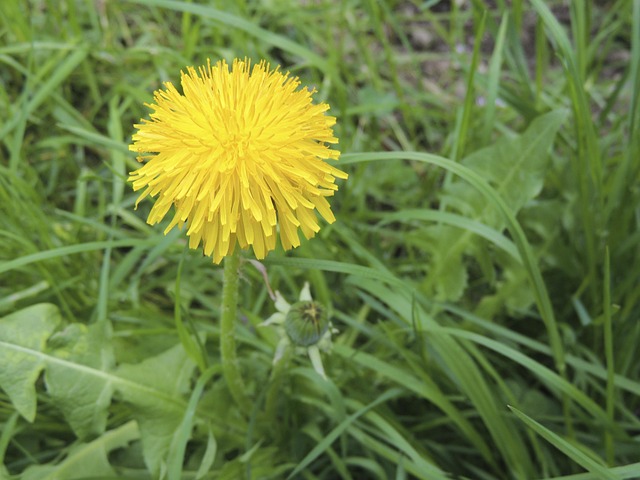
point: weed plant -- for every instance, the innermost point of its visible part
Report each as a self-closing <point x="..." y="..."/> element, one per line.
<point x="483" y="272"/>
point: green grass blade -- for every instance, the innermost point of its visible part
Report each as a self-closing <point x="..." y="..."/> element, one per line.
<point x="565" y="447"/>
<point x="631" y="471"/>
<point x="453" y="219"/>
<point x="240" y="23"/>
<point x="543" y="373"/>
<point x="541" y="294"/>
<point x="337" y="431"/>
<point x="62" y="71"/>
<point x="609" y="358"/>
<point x="334" y="266"/>
<point x="397" y="439"/>
<point x="177" y="449"/>
<point x="425" y="389"/>
<point x="70" y="250"/>
<point x="493" y="83"/>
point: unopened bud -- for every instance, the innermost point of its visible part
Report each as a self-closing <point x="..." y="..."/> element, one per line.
<point x="306" y="323"/>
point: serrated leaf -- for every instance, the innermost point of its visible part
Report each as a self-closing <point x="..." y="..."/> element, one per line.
<point x="154" y="387"/>
<point x="512" y="291"/>
<point x="20" y="333"/>
<point x="87" y="460"/>
<point x="170" y="373"/>
<point x="516" y="168"/>
<point x="450" y="282"/>
<point x="82" y="396"/>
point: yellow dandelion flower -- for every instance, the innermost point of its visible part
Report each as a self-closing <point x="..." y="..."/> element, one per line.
<point x="240" y="155"/>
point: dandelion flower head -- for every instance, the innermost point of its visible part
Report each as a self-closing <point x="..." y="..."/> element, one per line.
<point x="240" y="155"/>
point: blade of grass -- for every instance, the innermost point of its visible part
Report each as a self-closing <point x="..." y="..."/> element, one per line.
<point x="398" y="440"/>
<point x="337" y="431"/>
<point x="426" y="389"/>
<point x="390" y="453"/>
<point x="587" y="162"/>
<point x="493" y="83"/>
<point x="524" y="248"/>
<point x="191" y="344"/>
<point x="333" y="266"/>
<point x="8" y="431"/>
<point x="244" y="25"/>
<point x="631" y="471"/>
<point x="565" y="447"/>
<point x="178" y="447"/>
<point x="455" y="220"/>
<point x="454" y="359"/>
<point x="545" y="374"/>
<point x="61" y="72"/>
<point x="72" y="249"/>
<point x="609" y="359"/>
<point x="469" y="98"/>
<point x="580" y="364"/>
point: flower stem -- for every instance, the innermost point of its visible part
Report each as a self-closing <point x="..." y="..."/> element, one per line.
<point x="230" y="366"/>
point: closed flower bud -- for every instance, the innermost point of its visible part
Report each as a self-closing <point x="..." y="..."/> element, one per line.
<point x="306" y="323"/>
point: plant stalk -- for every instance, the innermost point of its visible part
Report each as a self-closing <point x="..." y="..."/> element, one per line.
<point x="230" y="366"/>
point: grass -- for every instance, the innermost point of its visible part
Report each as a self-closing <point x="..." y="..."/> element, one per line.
<point x="483" y="271"/>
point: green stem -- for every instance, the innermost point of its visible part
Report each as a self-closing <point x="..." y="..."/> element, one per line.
<point x="609" y="446"/>
<point x="230" y="366"/>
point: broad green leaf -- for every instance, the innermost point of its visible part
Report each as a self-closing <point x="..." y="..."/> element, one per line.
<point x="448" y="273"/>
<point x="515" y="167"/>
<point x="169" y="373"/>
<point x="87" y="460"/>
<point x="82" y="396"/>
<point x="79" y="377"/>
<point x="21" y="333"/>
<point x="512" y="291"/>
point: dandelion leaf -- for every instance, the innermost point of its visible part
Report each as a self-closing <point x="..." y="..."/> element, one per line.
<point x="515" y="167"/>
<point x="23" y="336"/>
<point x="80" y="377"/>
<point x="83" y="395"/>
<point x="156" y="402"/>
<point x="512" y="291"/>
<point x="449" y="274"/>
<point x="87" y="460"/>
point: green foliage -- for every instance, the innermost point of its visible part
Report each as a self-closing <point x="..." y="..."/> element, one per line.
<point x="164" y="377"/>
<point x="80" y="378"/>
<point x="88" y="459"/>
<point x="82" y="396"/>
<point x="482" y="272"/>
<point x="515" y="167"/>
<point x="22" y="333"/>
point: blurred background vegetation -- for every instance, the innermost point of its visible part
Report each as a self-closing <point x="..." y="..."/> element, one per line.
<point x="507" y="276"/>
